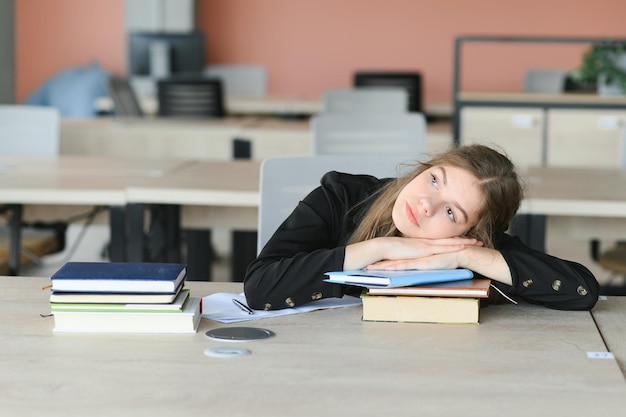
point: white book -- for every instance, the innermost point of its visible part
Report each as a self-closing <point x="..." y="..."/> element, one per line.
<point x="186" y="321"/>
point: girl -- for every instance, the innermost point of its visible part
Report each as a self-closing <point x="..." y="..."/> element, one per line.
<point x="450" y="212"/>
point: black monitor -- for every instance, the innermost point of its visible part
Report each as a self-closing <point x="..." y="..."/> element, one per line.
<point x="185" y="52"/>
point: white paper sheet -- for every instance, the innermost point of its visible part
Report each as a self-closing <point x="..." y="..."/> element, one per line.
<point x="220" y="307"/>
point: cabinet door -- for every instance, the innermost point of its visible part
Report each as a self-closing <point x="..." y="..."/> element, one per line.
<point x="585" y="137"/>
<point x="516" y="131"/>
<point x="159" y="15"/>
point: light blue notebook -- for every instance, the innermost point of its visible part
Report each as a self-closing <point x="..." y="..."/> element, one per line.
<point x="404" y="278"/>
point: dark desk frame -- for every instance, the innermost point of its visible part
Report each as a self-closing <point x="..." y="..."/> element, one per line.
<point x="117" y="226"/>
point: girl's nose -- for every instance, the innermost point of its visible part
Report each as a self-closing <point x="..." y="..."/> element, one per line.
<point x="427" y="206"/>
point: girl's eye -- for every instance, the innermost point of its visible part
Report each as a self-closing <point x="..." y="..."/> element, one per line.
<point x="450" y="213"/>
<point x="433" y="180"/>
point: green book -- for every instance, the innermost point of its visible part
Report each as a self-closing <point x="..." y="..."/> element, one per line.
<point x="177" y="305"/>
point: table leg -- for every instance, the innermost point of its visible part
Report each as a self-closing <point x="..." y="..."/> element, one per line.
<point x="243" y="252"/>
<point x="135" y="232"/>
<point x="199" y="255"/>
<point x="531" y="229"/>
<point x="15" y="243"/>
<point x="117" y="224"/>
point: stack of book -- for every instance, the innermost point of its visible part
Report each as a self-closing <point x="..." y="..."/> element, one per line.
<point x="123" y="297"/>
<point x="439" y="296"/>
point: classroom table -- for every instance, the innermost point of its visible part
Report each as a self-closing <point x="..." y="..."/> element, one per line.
<point x="521" y="360"/>
<point x="202" y="139"/>
<point x="199" y="196"/>
<point x="73" y="181"/>
<point x="590" y="195"/>
<point x="610" y="317"/>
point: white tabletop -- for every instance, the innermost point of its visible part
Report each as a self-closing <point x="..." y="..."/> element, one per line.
<point x="217" y="183"/>
<point x="520" y="361"/>
<point x="610" y="316"/>
<point x="585" y="192"/>
<point x="76" y="180"/>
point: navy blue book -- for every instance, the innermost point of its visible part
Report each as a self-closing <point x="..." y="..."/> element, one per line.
<point x="119" y="277"/>
<point x="397" y="278"/>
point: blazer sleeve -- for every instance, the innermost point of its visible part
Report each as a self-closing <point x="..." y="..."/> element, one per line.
<point x="289" y="271"/>
<point x="543" y="279"/>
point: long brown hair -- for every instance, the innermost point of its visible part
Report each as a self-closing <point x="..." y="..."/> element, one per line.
<point x="499" y="182"/>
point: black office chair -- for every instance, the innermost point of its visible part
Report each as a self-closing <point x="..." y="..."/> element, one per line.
<point x="124" y="98"/>
<point x="191" y="97"/>
<point x="412" y="81"/>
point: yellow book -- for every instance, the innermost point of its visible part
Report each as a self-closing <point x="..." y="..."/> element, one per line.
<point x="458" y="310"/>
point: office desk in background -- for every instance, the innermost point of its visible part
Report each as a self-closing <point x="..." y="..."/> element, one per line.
<point x="209" y="140"/>
<point x="268" y="106"/>
<point x="521" y="360"/>
<point x="588" y="202"/>
<point x="45" y="188"/>
<point x="200" y="196"/>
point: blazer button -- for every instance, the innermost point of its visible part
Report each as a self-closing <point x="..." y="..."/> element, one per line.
<point x="582" y="290"/>
<point x="267" y="307"/>
<point x="289" y="302"/>
<point x="316" y="296"/>
<point x="527" y="283"/>
<point x="556" y="285"/>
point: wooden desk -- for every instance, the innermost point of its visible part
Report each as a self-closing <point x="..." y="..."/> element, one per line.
<point x="273" y="105"/>
<point x="610" y="317"/>
<point x="208" y="140"/>
<point x="520" y="361"/>
<point x="294" y="105"/>
<point x="595" y="198"/>
<point x="71" y="181"/>
<point x="152" y="138"/>
<point x="198" y="197"/>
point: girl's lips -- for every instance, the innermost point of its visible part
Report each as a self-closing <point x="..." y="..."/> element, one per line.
<point x="411" y="215"/>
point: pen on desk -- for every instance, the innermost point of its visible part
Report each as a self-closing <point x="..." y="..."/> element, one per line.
<point x="243" y="307"/>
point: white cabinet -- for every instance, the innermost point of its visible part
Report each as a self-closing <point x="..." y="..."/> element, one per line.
<point x="585" y="138"/>
<point x="159" y="15"/>
<point x="516" y="131"/>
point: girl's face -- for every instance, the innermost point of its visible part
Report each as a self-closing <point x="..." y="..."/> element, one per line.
<point x="441" y="202"/>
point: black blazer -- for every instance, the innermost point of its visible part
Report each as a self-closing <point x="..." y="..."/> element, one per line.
<point x="290" y="269"/>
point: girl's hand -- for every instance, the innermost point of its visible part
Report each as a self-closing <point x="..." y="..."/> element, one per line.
<point x="403" y="248"/>
<point x="368" y="252"/>
<point x="487" y="262"/>
<point x="439" y="261"/>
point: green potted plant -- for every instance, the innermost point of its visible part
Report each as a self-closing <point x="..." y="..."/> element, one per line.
<point x="604" y="64"/>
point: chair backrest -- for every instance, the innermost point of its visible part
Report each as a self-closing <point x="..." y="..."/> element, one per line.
<point x="190" y="97"/>
<point x="29" y="130"/>
<point x="410" y="81"/>
<point x="368" y="134"/>
<point x="124" y="98"/>
<point x="545" y="81"/>
<point x="366" y="100"/>
<point x="284" y="181"/>
<point x="240" y="80"/>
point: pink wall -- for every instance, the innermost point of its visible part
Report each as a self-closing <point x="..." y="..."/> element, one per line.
<point x="54" y="35"/>
<point x="310" y="46"/>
